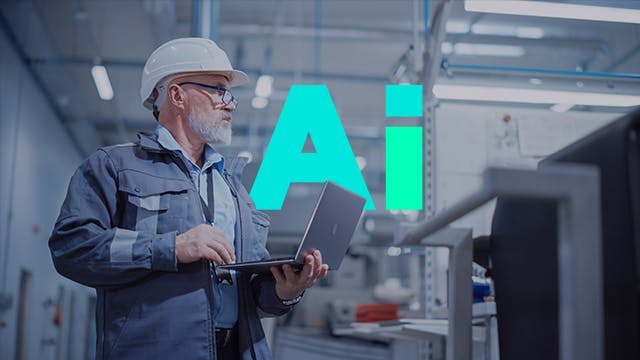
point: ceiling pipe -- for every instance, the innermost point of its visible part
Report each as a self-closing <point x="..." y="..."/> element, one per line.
<point x="318" y="40"/>
<point x="214" y="19"/>
<point x="445" y="65"/>
<point x="195" y="17"/>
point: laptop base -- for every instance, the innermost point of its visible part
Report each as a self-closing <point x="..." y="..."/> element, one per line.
<point x="261" y="266"/>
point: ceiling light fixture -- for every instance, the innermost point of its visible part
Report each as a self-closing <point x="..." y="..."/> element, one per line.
<point x="457" y="27"/>
<point x="531" y="96"/>
<point x="554" y="10"/>
<point x="488" y="50"/>
<point x="101" y="79"/>
<point x="362" y="162"/>
<point x="259" y="102"/>
<point x="446" y="48"/>
<point x="264" y="86"/>
<point x="481" y="49"/>
<point x="527" y="32"/>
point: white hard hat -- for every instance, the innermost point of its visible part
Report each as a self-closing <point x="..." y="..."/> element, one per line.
<point x="186" y="55"/>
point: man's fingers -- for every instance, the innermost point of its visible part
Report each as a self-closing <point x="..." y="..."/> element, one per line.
<point x="213" y="256"/>
<point x="307" y="269"/>
<point x="288" y="273"/>
<point x="277" y="274"/>
<point x="317" y="263"/>
<point x="318" y="257"/>
<point x="218" y="236"/>
<point x="323" y="271"/>
<point x="223" y="249"/>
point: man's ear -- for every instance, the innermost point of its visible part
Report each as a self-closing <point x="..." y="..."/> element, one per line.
<point x="176" y="96"/>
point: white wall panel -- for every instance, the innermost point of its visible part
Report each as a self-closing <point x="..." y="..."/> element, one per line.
<point x="471" y="137"/>
<point x="32" y="138"/>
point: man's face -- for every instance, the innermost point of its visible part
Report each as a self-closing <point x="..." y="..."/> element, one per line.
<point x="209" y="117"/>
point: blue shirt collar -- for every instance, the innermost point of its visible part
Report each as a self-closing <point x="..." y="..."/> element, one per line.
<point x="211" y="156"/>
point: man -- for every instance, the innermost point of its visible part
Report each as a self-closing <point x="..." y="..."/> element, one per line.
<point x="147" y="223"/>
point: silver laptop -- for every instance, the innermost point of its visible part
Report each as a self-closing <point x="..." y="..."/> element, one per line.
<point x="329" y="230"/>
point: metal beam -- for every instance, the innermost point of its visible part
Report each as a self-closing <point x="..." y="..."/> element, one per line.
<point x="283" y="73"/>
<point x="624" y="58"/>
<point x="196" y="10"/>
<point x="238" y="30"/>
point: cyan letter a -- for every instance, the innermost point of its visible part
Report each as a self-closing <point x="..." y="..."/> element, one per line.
<point x="308" y="111"/>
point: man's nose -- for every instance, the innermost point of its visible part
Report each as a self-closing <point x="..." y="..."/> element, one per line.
<point x="230" y="107"/>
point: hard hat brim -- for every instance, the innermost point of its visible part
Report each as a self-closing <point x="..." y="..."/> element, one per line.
<point x="238" y="78"/>
<point x="235" y="77"/>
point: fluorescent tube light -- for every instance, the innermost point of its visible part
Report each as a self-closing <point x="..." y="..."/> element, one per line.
<point x="561" y="107"/>
<point x="457" y="27"/>
<point x="446" y="48"/>
<point x="481" y="49"/>
<point x="554" y="10"/>
<point x="527" y="32"/>
<point x="531" y="96"/>
<point x="101" y="79"/>
<point x="362" y="162"/>
<point x="264" y="86"/>
<point x="259" y="102"/>
<point x="488" y="50"/>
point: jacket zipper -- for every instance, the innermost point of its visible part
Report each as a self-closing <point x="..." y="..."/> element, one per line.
<point x="244" y="313"/>
<point x="210" y="273"/>
<point x="235" y="196"/>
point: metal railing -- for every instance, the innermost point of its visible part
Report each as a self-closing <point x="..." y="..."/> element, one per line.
<point x="576" y="191"/>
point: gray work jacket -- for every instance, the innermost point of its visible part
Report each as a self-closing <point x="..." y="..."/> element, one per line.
<point x="116" y="232"/>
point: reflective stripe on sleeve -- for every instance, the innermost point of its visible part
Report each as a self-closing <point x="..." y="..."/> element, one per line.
<point x="121" y="248"/>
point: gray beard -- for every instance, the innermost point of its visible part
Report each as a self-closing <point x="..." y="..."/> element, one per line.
<point x="214" y="134"/>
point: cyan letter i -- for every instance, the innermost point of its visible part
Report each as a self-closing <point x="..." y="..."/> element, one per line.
<point x="404" y="149"/>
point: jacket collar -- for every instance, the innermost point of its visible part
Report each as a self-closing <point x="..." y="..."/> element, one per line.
<point x="232" y="165"/>
<point x="150" y="142"/>
<point x="235" y="165"/>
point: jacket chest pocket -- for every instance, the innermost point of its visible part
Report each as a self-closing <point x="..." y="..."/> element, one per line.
<point x="260" y="226"/>
<point x="154" y="205"/>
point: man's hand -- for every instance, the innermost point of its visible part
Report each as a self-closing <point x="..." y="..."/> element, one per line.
<point x="204" y="242"/>
<point x="290" y="284"/>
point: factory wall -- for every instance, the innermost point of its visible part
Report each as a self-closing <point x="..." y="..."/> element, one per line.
<point x="471" y="137"/>
<point x="42" y="315"/>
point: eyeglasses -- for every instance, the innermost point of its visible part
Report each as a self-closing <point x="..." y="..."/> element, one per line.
<point x="227" y="97"/>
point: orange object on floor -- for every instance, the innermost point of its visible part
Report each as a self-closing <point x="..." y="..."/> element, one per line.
<point x="376" y="312"/>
